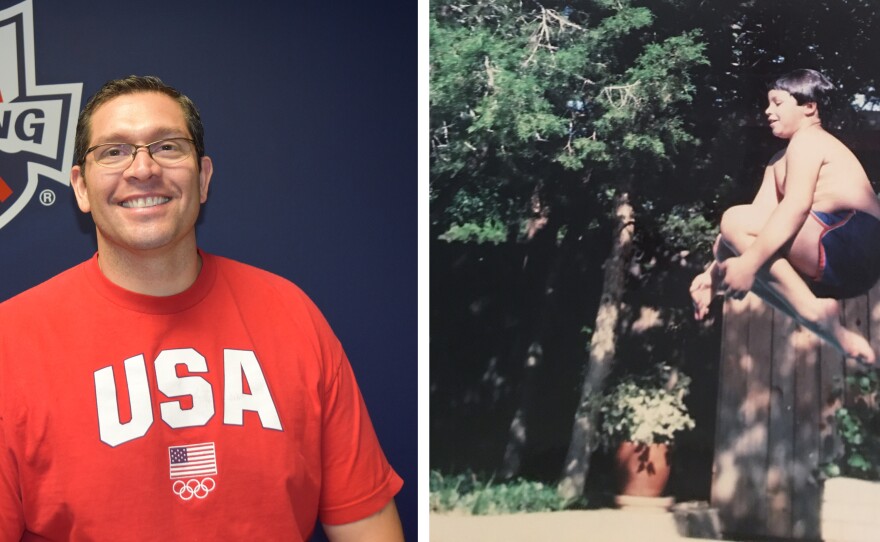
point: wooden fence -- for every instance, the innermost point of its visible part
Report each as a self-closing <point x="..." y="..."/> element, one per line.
<point x="776" y="405"/>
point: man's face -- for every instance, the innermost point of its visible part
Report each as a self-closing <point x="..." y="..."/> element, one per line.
<point x="784" y="114"/>
<point x="144" y="207"/>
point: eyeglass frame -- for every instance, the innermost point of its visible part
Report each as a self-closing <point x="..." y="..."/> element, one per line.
<point x="137" y="148"/>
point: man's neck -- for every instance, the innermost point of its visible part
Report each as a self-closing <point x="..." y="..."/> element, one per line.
<point x="158" y="273"/>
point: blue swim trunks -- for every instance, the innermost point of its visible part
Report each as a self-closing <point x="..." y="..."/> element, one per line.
<point x="849" y="254"/>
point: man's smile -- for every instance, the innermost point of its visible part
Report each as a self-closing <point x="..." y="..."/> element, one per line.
<point x="139" y="203"/>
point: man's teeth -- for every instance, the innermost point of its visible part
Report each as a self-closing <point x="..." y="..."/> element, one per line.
<point x="144" y="202"/>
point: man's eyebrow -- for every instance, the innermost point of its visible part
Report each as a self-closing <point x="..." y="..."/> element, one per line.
<point x="156" y="135"/>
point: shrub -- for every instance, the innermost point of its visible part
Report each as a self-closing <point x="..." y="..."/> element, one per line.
<point x="646" y="409"/>
<point x="466" y="494"/>
<point x="858" y="430"/>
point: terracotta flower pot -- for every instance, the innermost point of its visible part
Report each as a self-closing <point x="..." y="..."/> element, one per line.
<point x="642" y="469"/>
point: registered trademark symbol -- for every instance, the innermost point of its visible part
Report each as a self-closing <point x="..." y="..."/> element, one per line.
<point x="47" y="197"/>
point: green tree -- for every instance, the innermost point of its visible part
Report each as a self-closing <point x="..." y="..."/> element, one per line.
<point x="544" y="118"/>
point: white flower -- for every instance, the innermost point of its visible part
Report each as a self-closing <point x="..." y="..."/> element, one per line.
<point x="647" y="409"/>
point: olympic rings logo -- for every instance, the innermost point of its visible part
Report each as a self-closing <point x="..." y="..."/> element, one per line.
<point x="193" y="488"/>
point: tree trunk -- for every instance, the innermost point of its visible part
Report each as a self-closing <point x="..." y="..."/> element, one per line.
<point x="517" y="434"/>
<point x="543" y="248"/>
<point x="584" y="433"/>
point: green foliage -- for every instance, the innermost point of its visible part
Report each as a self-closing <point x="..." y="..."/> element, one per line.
<point x="529" y="100"/>
<point x="624" y="21"/>
<point x="664" y="69"/>
<point x="465" y="493"/>
<point x="686" y="228"/>
<point x="481" y="214"/>
<point x="858" y="430"/>
<point x="490" y="231"/>
<point x="646" y="408"/>
<point x="749" y="40"/>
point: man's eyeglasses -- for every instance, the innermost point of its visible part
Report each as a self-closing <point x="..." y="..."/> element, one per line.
<point x="165" y="152"/>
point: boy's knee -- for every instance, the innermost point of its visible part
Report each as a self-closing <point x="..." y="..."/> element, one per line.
<point x="734" y="222"/>
<point x="737" y="224"/>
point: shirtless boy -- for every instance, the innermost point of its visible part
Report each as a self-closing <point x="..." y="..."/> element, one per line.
<point x="812" y="234"/>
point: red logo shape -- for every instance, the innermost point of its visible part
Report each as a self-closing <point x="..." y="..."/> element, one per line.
<point x="5" y="191"/>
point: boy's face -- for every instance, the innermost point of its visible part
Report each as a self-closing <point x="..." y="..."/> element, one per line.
<point x="784" y="114"/>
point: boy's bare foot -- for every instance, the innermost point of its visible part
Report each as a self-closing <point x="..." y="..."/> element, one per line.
<point x="702" y="294"/>
<point x="850" y="343"/>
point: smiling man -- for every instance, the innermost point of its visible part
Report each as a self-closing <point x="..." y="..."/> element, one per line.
<point x="158" y="392"/>
<point x="144" y="199"/>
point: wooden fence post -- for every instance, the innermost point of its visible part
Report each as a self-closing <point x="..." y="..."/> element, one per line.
<point x="778" y="391"/>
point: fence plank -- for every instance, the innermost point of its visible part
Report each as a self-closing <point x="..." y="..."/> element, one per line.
<point x="781" y="426"/>
<point x="831" y="373"/>
<point x="874" y="317"/>
<point x="805" y="500"/>
<point x="779" y="389"/>
<point x="741" y="451"/>
<point x="855" y="317"/>
<point x="757" y="404"/>
<point x="732" y="386"/>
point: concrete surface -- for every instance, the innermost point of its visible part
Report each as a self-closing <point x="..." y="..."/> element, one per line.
<point x="605" y="525"/>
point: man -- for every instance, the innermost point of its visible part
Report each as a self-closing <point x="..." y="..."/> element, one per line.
<point x="157" y="392"/>
<point x="811" y="236"/>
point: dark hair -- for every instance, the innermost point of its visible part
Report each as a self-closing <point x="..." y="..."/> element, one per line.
<point x="131" y="85"/>
<point x="806" y="86"/>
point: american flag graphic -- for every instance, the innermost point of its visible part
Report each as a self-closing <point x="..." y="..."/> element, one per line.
<point x="192" y="460"/>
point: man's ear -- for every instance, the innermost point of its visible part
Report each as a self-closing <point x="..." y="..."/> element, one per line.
<point x="205" y="178"/>
<point x="78" y="182"/>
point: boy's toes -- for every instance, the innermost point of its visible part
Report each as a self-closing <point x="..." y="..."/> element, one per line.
<point x="864" y="358"/>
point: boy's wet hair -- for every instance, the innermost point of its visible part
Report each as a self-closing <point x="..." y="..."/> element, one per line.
<point x="806" y="86"/>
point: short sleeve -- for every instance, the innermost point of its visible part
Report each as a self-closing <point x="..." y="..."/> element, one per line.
<point x="357" y="480"/>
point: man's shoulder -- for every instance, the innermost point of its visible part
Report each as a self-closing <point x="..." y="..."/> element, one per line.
<point x="50" y="291"/>
<point x="257" y="283"/>
<point x="256" y="289"/>
<point x="251" y="276"/>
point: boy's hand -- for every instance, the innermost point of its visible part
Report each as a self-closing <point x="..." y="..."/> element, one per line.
<point x="701" y="294"/>
<point x="737" y="276"/>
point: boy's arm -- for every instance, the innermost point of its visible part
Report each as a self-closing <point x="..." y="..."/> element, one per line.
<point x="702" y="289"/>
<point x="803" y="160"/>
<point x="766" y="197"/>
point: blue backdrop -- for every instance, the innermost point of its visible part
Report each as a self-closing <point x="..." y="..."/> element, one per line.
<point x="310" y="117"/>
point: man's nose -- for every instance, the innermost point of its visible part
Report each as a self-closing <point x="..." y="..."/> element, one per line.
<point x="142" y="163"/>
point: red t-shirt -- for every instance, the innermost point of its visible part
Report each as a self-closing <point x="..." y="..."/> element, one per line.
<point x="226" y="412"/>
